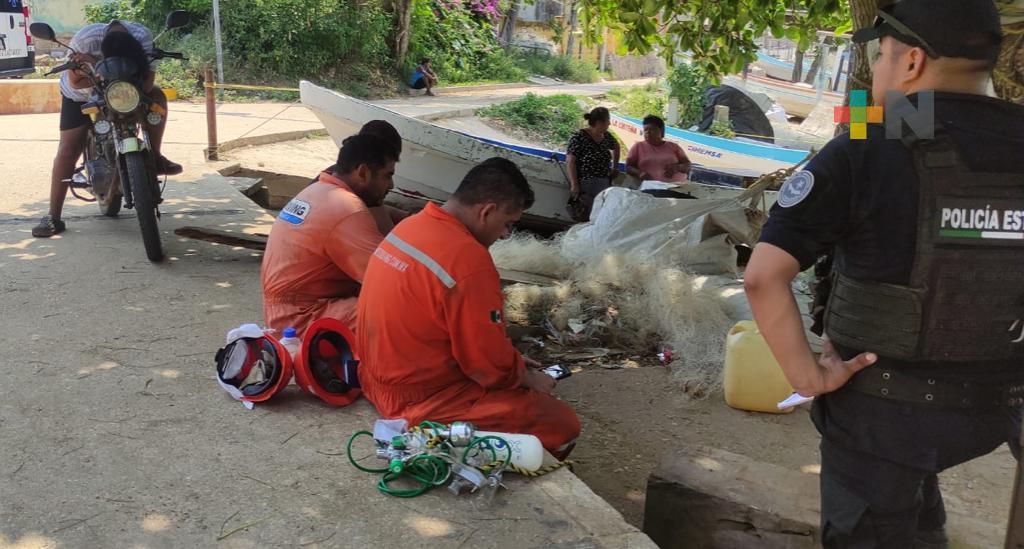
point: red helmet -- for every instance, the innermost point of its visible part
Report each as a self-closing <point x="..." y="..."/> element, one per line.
<point x="326" y="364"/>
<point x="253" y="368"/>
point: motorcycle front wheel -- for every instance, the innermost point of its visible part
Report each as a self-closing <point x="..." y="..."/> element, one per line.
<point x="145" y="205"/>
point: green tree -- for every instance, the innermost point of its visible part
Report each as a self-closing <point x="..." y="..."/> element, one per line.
<point x="687" y="83"/>
<point x="719" y="35"/>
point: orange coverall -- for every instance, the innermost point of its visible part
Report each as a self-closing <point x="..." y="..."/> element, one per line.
<point x="432" y="336"/>
<point x="316" y="256"/>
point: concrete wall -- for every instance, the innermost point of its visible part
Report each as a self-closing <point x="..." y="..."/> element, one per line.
<point x="541" y="11"/>
<point x="29" y="96"/>
<point x="631" y="66"/>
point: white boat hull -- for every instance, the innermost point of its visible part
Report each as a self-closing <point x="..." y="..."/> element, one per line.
<point x="798" y="100"/>
<point x="435" y="159"/>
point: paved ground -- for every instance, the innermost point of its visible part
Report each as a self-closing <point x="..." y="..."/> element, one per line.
<point x="626" y="410"/>
<point x="114" y="433"/>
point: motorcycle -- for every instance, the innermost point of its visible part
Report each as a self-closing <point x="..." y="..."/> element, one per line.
<point x="119" y="164"/>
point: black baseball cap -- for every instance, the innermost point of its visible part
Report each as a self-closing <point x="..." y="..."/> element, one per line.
<point x="942" y="28"/>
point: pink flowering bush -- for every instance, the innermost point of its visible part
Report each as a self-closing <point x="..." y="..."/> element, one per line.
<point x="486" y="8"/>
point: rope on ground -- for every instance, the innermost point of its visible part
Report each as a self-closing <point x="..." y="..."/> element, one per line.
<point x="217" y="86"/>
<point x="261" y="124"/>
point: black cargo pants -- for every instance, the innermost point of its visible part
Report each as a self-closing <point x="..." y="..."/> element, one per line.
<point x="879" y="460"/>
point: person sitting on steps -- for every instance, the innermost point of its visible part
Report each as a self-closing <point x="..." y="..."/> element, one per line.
<point x="423" y="77"/>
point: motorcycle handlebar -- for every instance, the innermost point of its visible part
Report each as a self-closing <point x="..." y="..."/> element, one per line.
<point x="161" y="54"/>
<point x="62" y="68"/>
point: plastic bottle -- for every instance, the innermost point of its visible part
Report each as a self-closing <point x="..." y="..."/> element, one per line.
<point x="753" y="379"/>
<point x="290" y="342"/>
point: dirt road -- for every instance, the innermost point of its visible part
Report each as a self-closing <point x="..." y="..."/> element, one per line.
<point x="113" y="432"/>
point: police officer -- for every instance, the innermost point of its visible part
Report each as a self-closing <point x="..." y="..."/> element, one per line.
<point x="925" y="365"/>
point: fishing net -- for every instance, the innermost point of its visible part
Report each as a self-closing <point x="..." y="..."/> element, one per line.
<point x="617" y="302"/>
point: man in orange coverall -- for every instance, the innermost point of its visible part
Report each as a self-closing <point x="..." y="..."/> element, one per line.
<point x="431" y="329"/>
<point x="322" y="240"/>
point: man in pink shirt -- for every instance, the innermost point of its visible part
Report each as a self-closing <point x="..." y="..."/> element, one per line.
<point x="322" y="240"/>
<point x="655" y="159"/>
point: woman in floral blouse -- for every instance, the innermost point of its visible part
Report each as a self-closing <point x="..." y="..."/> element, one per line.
<point x="592" y="157"/>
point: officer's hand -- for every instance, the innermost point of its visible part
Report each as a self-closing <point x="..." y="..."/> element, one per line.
<point x="835" y="372"/>
<point x="538" y="381"/>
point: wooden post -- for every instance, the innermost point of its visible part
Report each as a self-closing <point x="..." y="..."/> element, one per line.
<point x="211" y="115"/>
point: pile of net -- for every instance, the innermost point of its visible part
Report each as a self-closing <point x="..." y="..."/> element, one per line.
<point x="631" y="281"/>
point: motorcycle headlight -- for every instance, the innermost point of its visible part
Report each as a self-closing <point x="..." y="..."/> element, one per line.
<point x="123" y="97"/>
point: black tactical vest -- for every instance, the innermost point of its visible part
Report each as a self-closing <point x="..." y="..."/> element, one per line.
<point x="965" y="300"/>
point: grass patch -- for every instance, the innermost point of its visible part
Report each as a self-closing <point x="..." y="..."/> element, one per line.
<point x="550" y="120"/>
<point x="638" y="101"/>
<point x="558" y="66"/>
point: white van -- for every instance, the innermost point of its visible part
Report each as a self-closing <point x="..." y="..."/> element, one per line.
<point x="17" y="54"/>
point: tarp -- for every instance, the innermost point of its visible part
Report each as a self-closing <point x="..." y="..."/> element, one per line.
<point x="747" y="117"/>
<point x="697" y="235"/>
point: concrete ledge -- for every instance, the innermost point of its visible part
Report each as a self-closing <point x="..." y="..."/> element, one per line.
<point x="710" y="498"/>
<point x="267" y="139"/>
<point x="458" y="113"/>
<point x="483" y="87"/>
<point x="29" y="96"/>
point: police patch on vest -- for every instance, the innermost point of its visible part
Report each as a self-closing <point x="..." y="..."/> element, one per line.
<point x="973" y="221"/>
<point x="796" y="189"/>
<point x="496" y="317"/>
<point x="295" y="211"/>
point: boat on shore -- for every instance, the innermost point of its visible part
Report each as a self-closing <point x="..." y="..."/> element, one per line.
<point x="777" y="68"/>
<point x="713" y="152"/>
<point x="435" y="159"/>
<point x="798" y="99"/>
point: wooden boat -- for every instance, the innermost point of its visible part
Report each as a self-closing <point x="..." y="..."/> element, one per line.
<point x="715" y="152"/>
<point x="798" y="99"/>
<point x="435" y="159"/>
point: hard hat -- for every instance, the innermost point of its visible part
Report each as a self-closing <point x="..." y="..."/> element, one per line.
<point x="326" y="364"/>
<point x="253" y="366"/>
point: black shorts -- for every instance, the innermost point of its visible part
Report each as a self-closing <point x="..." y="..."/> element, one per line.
<point x="71" y="116"/>
<point x="420" y="83"/>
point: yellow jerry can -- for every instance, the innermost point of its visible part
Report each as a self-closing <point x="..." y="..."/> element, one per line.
<point x="753" y="379"/>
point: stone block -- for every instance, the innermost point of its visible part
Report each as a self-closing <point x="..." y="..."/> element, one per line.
<point x="711" y="498"/>
<point x="708" y="498"/>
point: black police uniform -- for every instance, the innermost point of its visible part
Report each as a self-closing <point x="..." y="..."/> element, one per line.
<point x="888" y="432"/>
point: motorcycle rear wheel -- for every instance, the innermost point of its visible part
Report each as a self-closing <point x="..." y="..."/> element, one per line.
<point x="145" y="205"/>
